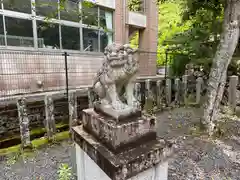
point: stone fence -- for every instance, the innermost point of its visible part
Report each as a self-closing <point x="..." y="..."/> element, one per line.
<point x="186" y="90"/>
<point x="154" y="94"/>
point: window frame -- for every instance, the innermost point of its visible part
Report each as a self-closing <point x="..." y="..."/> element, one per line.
<point x="34" y="18"/>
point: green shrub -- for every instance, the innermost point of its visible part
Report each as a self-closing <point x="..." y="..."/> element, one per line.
<point x="65" y="172"/>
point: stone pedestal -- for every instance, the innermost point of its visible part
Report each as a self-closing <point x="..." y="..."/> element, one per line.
<point x="109" y="149"/>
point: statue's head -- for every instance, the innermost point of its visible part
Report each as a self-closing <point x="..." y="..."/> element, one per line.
<point x="118" y="53"/>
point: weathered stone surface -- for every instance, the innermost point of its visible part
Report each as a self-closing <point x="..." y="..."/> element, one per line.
<point x="117" y="115"/>
<point x="120" y="166"/>
<point x="138" y="94"/>
<point x="9" y="122"/>
<point x="72" y="105"/>
<point x="23" y="122"/>
<point x="50" y="120"/>
<point x="117" y="135"/>
<point x="232" y="96"/>
<point x="157" y="172"/>
<point x="118" y="73"/>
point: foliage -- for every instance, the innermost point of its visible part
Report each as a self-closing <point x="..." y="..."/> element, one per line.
<point x="189" y="31"/>
<point x="12" y="159"/>
<point x="64" y="172"/>
<point x="134" y="40"/>
<point x="197" y="42"/>
<point x="135" y="5"/>
<point x="170" y="24"/>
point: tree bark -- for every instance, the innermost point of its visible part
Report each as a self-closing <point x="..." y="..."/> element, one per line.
<point x="223" y="56"/>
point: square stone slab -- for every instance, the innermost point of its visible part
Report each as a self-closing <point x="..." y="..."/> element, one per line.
<point x="117" y="115"/>
<point x="119" y="135"/>
<point x="119" y="166"/>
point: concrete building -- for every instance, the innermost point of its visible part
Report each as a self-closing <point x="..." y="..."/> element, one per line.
<point x="35" y="33"/>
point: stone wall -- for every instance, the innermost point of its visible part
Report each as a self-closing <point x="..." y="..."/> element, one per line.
<point x="9" y="121"/>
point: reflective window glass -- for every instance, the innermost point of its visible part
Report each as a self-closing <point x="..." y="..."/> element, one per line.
<point x="19" y="32"/>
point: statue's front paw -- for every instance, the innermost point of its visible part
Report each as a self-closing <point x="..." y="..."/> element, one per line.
<point x="118" y="105"/>
<point x="137" y="104"/>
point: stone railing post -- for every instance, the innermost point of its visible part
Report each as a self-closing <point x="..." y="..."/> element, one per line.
<point x="147" y="89"/>
<point x="90" y="98"/>
<point x="159" y="99"/>
<point x="138" y="95"/>
<point x="199" y="85"/>
<point x="148" y="97"/>
<point x="177" y="90"/>
<point x="50" y="120"/>
<point x="23" y="122"/>
<point x="185" y="87"/>
<point x="72" y="105"/>
<point x="232" y="96"/>
<point x="168" y="91"/>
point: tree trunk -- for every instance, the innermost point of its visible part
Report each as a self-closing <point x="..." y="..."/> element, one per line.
<point x="223" y="57"/>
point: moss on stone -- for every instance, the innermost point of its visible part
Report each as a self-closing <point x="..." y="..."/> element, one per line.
<point x="37" y="143"/>
<point x="10" y="150"/>
<point x="33" y="133"/>
<point x="38" y="131"/>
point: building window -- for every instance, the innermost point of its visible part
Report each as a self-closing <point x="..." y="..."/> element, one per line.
<point x="89" y="14"/>
<point x="70" y="11"/>
<point x="48" y="8"/>
<point x="106" y="19"/>
<point x="90" y="40"/>
<point x="18" y="5"/>
<point x="19" y="32"/>
<point x="2" y="39"/>
<point x="70" y="38"/>
<point x="48" y="35"/>
<point x="51" y="33"/>
<point x="106" y="38"/>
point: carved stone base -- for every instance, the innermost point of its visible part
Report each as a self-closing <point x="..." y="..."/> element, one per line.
<point x="119" y="136"/>
<point x="118" y="115"/>
<point x="123" y="165"/>
<point x="87" y="169"/>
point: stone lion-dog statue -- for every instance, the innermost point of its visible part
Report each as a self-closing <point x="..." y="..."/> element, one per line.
<point x="116" y="78"/>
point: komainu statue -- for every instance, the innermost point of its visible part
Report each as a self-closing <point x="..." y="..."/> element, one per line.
<point x="116" y="78"/>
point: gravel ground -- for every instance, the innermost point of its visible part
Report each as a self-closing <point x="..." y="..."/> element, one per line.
<point x="42" y="165"/>
<point x="198" y="157"/>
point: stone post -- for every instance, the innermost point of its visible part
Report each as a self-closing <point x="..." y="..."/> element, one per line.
<point x="147" y="88"/>
<point x="50" y="120"/>
<point x="23" y="123"/>
<point x="72" y="105"/>
<point x="168" y="91"/>
<point x="159" y="98"/>
<point x="232" y="96"/>
<point x="138" y="95"/>
<point x="185" y="87"/>
<point x="148" y="99"/>
<point x="199" y="85"/>
<point x="90" y="98"/>
<point x="177" y="90"/>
